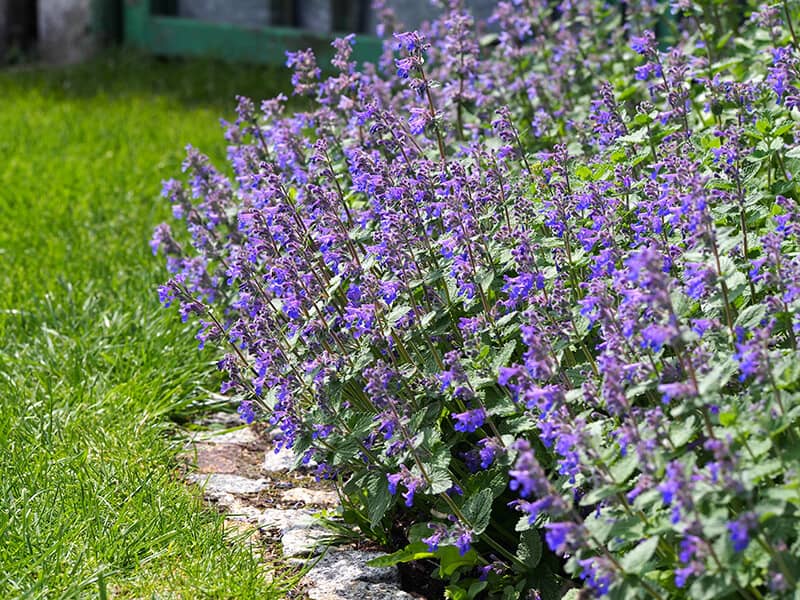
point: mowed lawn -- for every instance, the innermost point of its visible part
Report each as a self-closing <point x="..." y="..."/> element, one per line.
<point x="93" y="372"/>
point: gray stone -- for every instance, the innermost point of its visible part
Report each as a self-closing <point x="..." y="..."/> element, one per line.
<point x="314" y="497"/>
<point x="285" y="519"/>
<point x="221" y="419"/>
<point x="65" y="30"/>
<point x="279" y="462"/>
<point x="241" y="511"/>
<point x="304" y="541"/>
<point x="359" y="590"/>
<point x="344" y="575"/>
<point x="239" y="437"/>
<point x="219" y="484"/>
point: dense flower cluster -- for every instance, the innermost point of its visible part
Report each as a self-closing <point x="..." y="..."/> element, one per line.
<point x="538" y="290"/>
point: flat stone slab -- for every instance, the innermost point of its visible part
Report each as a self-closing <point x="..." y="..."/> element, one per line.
<point x="210" y="458"/>
<point x="221" y="419"/>
<point x="278" y="462"/>
<point x="344" y="575"/>
<point x="313" y="497"/>
<point x="218" y="484"/>
<point x="358" y="590"/>
<point x="285" y="519"/>
<point x="303" y="541"/>
<point x="237" y="437"/>
<point x="223" y="461"/>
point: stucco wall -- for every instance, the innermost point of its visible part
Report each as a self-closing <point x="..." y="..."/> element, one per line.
<point x="65" y="30"/>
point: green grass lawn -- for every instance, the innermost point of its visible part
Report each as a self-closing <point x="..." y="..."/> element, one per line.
<point x="92" y="370"/>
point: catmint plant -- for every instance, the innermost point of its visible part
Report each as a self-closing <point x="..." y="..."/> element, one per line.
<point x="527" y="291"/>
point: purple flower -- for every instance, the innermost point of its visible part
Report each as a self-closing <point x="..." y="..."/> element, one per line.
<point x="597" y="574"/>
<point x="439" y="533"/>
<point x="644" y="44"/>
<point x="470" y="420"/>
<point x="463" y="540"/>
<point x="245" y="411"/>
<point x="740" y="530"/>
<point x="563" y="538"/>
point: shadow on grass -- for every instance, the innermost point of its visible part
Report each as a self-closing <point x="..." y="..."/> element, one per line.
<point x="121" y="73"/>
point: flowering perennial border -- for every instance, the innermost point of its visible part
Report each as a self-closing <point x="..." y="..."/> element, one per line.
<point x="533" y="294"/>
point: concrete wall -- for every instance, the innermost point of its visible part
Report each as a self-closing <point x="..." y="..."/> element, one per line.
<point x="3" y="28"/>
<point x="65" y="30"/>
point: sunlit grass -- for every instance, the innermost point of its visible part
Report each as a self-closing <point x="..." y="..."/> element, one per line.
<point x="91" y="368"/>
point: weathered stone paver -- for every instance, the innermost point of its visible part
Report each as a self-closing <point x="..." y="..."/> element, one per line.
<point x="278" y="462"/>
<point x="300" y="495"/>
<point x="218" y="484"/>
<point x="344" y="575"/>
<point x="256" y="487"/>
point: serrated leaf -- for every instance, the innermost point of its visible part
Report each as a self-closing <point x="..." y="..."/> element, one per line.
<point x="478" y="510"/>
<point x="503" y="356"/>
<point x="398" y="312"/>
<point x="523" y="524"/>
<point x="793" y="153"/>
<point x="490" y="479"/>
<point x="637" y="137"/>
<point x="718" y="377"/>
<point x="529" y="550"/>
<point x="751" y="316"/>
<point x="636" y="560"/>
<point x="378" y="497"/>
<point x="438" y="471"/>
<point x="624" y="468"/>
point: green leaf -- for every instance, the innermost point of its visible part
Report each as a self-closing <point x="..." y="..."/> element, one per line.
<point x="450" y="560"/>
<point x="710" y="587"/>
<point x="599" y="493"/>
<point x="378" y="497"/>
<point x="636" y="560"/>
<point x="476" y="588"/>
<point x="718" y="377"/>
<point x="398" y="312"/>
<point x="503" y="356"/>
<point x="727" y="418"/>
<point x="438" y="471"/>
<point x="523" y="524"/>
<point x="490" y="479"/>
<point x="414" y="551"/>
<point x="625" y="467"/>
<point x="529" y="550"/>
<point x="793" y="153"/>
<point x="637" y="137"/>
<point x="478" y="510"/>
<point x="751" y="316"/>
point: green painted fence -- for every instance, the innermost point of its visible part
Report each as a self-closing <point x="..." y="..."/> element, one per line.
<point x="149" y="30"/>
